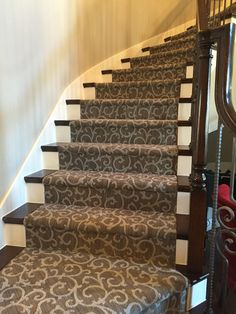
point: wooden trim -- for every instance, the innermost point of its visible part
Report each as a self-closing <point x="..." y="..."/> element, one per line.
<point x="185" y="100"/>
<point x="182" y="226"/>
<point x="53" y="147"/>
<point x="72" y="101"/>
<point x="183" y="184"/>
<point x="8" y="253"/>
<point x="167" y="38"/>
<point x="146" y="49"/>
<point x="125" y="60"/>
<point x="62" y="122"/>
<point x="224" y="37"/>
<point x="17" y="216"/>
<point x="184" y="150"/>
<point x="104" y="72"/>
<point x="184" y="123"/>
<point x="88" y="85"/>
<point x="37" y="177"/>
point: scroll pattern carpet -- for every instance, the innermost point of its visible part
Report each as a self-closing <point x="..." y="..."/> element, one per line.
<point x="105" y="239"/>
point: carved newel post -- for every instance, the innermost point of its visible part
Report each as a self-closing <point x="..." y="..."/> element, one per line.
<point x="198" y="200"/>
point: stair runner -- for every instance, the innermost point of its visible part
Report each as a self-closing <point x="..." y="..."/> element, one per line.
<point x="105" y="239"/>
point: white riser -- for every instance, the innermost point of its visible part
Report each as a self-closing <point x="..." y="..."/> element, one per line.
<point x="51" y="161"/>
<point x="184" y="112"/>
<point x="184" y="134"/>
<point x="189" y="72"/>
<point x="185" y="91"/>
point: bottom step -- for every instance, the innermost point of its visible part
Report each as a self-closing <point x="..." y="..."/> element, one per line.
<point x="47" y="281"/>
<point x="196" y="292"/>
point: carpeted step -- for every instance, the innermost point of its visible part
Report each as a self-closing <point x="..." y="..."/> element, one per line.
<point x="137" y="235"/>
<point x="162" y="132"/>
<point x="173" y="56"/>
<point x="190" y="32"/>
<point x="162" y="72"/>
<point x="150" y="109"/>
<point x="119" y="190"/>
<point x="132" y="158"/>
<point x="185" y="42"/>
<point x="41" y="281"/>
<point x="138" y="90"/>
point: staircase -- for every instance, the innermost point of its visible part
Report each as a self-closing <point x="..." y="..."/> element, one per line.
<point x="105" y="239"/>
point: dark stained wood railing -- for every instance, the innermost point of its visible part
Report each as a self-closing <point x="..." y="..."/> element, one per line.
<point x="211" y="15"/>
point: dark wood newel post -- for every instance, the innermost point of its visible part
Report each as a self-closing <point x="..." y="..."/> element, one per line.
<point x="198" y="200"/>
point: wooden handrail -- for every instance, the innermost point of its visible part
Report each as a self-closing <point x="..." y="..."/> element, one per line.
<point x="210" y="32"/>
<point x="225" y="37"/>
<point x="202" y="14"/>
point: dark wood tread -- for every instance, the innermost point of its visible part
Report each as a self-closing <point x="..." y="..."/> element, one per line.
<point x="145" y="49"/>
<point x="93" y="84"/>
<point x="186" y="100"/>
<point x="184" y="184"/>
<point x="187" y="81"/>
<point x="184" y="122"/>
<point x="17" y="217"/>
<point x="77" y="101"/>
<point x="125" y="60"/>
<point x="67" y="122"/>
<point x="37" y="177"/>
<point x="90" y="84"/>
<point x="7" y="253"/>
<point x="104" y="72"/>
<point x="72" y="101"/>
<point x="193" y="277"/>
<point x="183" y="150"/>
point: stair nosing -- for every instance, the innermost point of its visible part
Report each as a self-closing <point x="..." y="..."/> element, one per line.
<point x="37" y="177"/>
<point x="183" y="150"/>
<point x="169" y="81"/>
<point x="17" y="215"/>
<point x="67" y="122"/>
<point x="78" y="101"/>
<point x="7" y="253"/>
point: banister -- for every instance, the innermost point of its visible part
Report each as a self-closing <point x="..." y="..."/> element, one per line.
<point x="202" y="14"/>
<point x="223" y="89"/>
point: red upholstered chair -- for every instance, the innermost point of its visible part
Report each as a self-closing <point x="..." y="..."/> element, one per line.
<point x="224" y="200"/>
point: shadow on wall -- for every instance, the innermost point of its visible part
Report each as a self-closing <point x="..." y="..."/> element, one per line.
<point x="40" y="58"/>
<point x="107" y="27"/>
